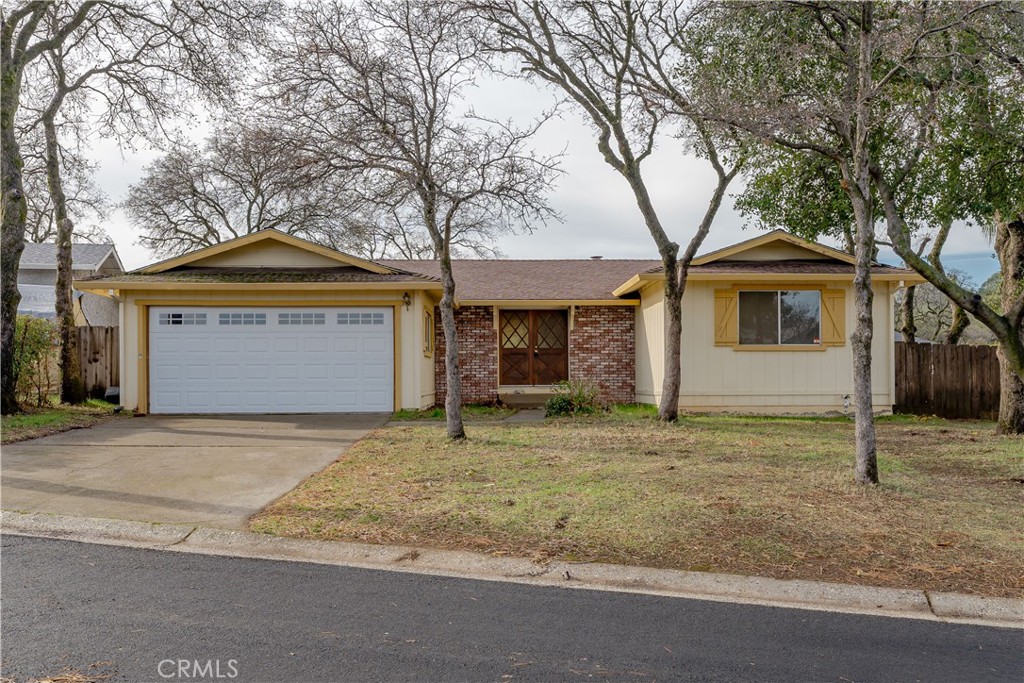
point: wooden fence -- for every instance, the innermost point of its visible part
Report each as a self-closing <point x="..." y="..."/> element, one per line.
<point x="947" y="380"/>
<point x="98" y="354"/>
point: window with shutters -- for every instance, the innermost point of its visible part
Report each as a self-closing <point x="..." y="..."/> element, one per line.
<point x="765" y="318"/>
<point x="780" y="317"/>
<point x="428" y="332"/>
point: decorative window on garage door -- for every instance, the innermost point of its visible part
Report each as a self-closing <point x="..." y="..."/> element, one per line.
<point x="360" y="318"/>
<point x="301" y="318"/>
<point x="182" y="318"/>
<point x="243" y="319"/>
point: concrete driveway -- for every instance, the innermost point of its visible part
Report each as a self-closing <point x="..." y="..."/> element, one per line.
<point x="208" y="471"/>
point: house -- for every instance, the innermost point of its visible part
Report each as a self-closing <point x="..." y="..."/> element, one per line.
<point x="272" y="323"/>
<point x="37" y="278"/>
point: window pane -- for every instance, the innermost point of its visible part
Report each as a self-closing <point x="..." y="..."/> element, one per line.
<point x="801" y="317"/>
<point x="759" y="317"/>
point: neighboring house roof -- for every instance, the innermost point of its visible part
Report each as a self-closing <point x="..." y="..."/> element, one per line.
<point x="38" y="300"/>
<point x="83" y="256"/>
<point x="551" y="280"/>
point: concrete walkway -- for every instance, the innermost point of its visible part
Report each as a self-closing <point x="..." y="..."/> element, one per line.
<point x="208" y="471"/>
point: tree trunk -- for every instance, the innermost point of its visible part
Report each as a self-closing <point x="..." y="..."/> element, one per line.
<point x="908" y="329"/>
<point x="1011" y="388"/>
<point x="72" y="390"/>
<point x="453" y="377"/>
<point x="866" y="470"/>
<point x="13" y="211"/>
<point x="1010" y="247"/>
<point x="957" y="326"/>
<point x="668" y="410"/>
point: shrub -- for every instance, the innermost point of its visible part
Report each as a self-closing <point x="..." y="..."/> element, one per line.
<point x="35" y="359"/>
<point x="574" y="397"/>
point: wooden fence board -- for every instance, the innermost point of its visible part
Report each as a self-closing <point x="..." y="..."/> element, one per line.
<point x="947" y="380"/>
<point x="98" y="355"/>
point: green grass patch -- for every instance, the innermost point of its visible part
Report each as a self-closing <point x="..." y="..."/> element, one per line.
<point x="469" y="412"/>
<point x="36" y="422"/>
<point x="765" y="496"/>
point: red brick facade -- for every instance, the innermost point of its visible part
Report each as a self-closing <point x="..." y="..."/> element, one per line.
<point x="478" y="355"/>
<point x="602" y="349"/>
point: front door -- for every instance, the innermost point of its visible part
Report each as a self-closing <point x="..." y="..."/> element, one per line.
<point x="534" y="347"/>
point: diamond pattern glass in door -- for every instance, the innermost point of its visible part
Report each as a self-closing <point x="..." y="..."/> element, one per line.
<point x="550" y="347"/>
<point x="515" y="347"/>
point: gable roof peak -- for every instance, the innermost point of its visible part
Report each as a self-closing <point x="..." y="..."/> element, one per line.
<point x="261" y="236"/>
<point x="777" y="235"/>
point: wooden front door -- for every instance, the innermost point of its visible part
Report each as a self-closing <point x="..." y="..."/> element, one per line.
<point x="534" y="347"/>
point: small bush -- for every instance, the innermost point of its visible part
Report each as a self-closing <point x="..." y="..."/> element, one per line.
<point x="35" y="359"/>
<point x="574" y="397"/>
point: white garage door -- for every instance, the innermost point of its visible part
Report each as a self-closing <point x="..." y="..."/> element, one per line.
<point x="271" y="360"/>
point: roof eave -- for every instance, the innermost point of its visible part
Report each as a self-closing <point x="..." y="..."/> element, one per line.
<point x="101" y="286"/>
<point x="635" y="283"/>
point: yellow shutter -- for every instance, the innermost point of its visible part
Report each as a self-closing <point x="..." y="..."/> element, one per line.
<point x="833" y="317"/>
<point x="727" y="324"/>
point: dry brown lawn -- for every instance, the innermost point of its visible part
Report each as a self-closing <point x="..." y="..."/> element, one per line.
<point x="771" y="497"/>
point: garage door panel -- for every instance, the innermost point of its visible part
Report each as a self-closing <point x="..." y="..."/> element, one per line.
<point x="271" y="360"/>
<point x="286" y="371"/>
<point x="257" y="344"/>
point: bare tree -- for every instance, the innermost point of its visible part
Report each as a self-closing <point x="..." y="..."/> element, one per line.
<point x="85" y="200"/>
<point x="380" y="86"/>
<point x="134" y="57"/>
<point x="250" y="176"/>
<point x="618" y="62"/>
<point x="244" y="178"/>
<point x="20" y="45"/>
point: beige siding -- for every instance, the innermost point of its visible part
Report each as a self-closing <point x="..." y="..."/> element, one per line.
<point x="777" y="251"/>
<point x="650" y="347"/>
<point x="723" y="378"/>
<point x="269" y="254"/>
<point x="417" y="379"/>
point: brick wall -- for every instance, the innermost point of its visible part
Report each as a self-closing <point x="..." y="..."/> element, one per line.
<point x="478" y="355"/>
<point x="602" y="348"/>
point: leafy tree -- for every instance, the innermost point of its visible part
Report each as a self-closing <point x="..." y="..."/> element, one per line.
<point x="865" y="87"/>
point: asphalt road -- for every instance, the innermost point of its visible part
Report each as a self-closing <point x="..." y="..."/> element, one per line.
<point x="67" y="604"/>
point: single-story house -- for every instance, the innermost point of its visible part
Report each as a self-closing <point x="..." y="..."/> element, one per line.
<point x="269" y="323"/>
<point x="37" y="279"/>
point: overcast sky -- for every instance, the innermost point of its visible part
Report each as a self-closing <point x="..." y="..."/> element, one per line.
<point x="600" y="215"/>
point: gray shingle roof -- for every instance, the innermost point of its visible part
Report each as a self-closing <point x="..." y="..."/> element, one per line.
<point x="83" y="256"/>
<point x="525" y="279"/>
<point x="261" y="275"/>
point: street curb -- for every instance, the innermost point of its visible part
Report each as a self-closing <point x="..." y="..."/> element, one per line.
<point x="813" y="595"/>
